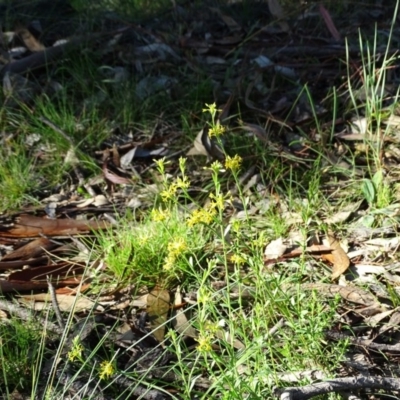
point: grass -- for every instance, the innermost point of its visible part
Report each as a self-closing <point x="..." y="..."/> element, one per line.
<point x="247" y="323"/>
<point x="16" y="164"/>
<point x="231" y="324"/>
<point x="19" y="354"/>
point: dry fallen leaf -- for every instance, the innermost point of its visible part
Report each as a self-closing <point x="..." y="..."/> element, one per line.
<point x="348" y="293"/>
<point x="276" y="10"/>
<point x="112" y="177"/>
<point x="340" y="259"/>
<point x="393" y="323"/>
<point x="158" y="305"/>
<point x="376" y="319"/>
<point x="181" y="323"/>
<point x="62" y="273"/>
<point x="204" y="145"/>
<point x="42" y="301"/>
<point x="31" y="226"/>
<point x="275" y="249"/>
<point x="224" y="335"/>
<point x="29" y="40"/>
<point x="32" y="249"/>
<point x="329" y="22"/>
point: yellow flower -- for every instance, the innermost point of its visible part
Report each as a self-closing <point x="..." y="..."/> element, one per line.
<point x="182" y="183"/>
<point x="218" y="201"/>
<point x="160" y="215"/>
<point x="182" y="164"/>
<point x="216" y="166"/>
<point x="169" y="262"/>
<point x="216" y="130"/>
<point x="201" y="216"/>
<point x="237" y="259"/>
<point x="233" y="163"/>
<point x="211" y="108"/>
<point x="76" y="350"/>
<point x="211" y="328"/>
<point x="236" y="225"/>
<point x="170" y="192"/>
<point x="204" y="295"/>
<point x="144" y="238"/>
<point x="177" y="247"/>
<point x="161" y="165"/>
<point x="204" y="343"/>
<point x="106" y="369"/>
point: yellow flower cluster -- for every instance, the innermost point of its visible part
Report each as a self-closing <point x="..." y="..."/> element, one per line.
<point x="218" y="201"/>
<point x="212" y="109"/>
<point x="201" y="216"/>
<point x="204" y="295"/>
<point x="237" y="259"/>
<point x="175" y="248"/>
<point x="106" y="369"/>
<point x="207" y="214"/>
<point x="216" y="166"/>
<point x="204" y="343"/>
<point x="207" y="334"/>
<point x="159" y="214"/>
<point x="76" y="350"/>
<point x="211" y="327"/>
<point x="216" y="130"/>
<point x="233" y="163"/>
<point x="170" y="192"/>
<point x="182" y="183"/>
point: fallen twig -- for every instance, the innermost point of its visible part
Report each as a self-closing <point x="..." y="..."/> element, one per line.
<point x="338" y="385"/>
<point x="55" y="303"/>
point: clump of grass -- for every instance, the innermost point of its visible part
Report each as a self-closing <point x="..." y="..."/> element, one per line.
<point x="239" y="301"/>
<point x="154" y="250"/>
<point x="18" y="175"/>
<point x="19" y="352"/>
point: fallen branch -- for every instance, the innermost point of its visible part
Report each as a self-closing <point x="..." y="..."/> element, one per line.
<point x="44" y="57"/>
<point x="38" y="59"/>
<point x="338" y="385"/>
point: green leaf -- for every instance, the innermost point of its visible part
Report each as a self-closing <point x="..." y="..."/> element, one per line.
<point x="377" y="179"/>
<point x="367" y="221"/>
<point x="369" y="191"/>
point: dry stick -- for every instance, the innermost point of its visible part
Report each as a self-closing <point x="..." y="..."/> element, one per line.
<point x="280" y="324"/>
<point x="54" y="301"/>
<point x="363" y="342"/>
<point x="42" y="58"/>
<point x="26" y="315"/>
<point x="36" y="60"/>
<point x="338" y="385"/>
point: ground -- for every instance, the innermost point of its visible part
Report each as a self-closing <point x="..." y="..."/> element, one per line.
<point x="199" y="200"/>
